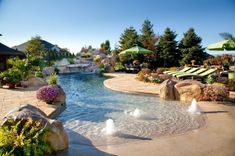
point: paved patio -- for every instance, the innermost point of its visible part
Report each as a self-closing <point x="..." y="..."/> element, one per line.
<point x="12" y="98"/>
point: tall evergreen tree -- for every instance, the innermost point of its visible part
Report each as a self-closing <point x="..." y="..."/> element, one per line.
<point x="128" y="39"/>
<point x="167" y="48"/>
<point x="191" y="49"/>
<point x="148" y="38"/>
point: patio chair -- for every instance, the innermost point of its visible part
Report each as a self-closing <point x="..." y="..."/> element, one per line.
<point x="182" y="70"/>
<point x="203" y="74"/>
<point x="184" y="75"/>
<point x="188" y="72"/>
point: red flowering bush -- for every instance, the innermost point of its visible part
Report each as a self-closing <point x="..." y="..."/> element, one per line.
<point x="215" y="93"/>
<point x="47" y="93"/>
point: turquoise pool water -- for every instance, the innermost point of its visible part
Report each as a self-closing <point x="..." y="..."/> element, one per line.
<point x="90" y="104"/>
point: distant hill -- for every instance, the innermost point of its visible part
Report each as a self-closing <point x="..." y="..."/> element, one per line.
<point x="49" y="46"/>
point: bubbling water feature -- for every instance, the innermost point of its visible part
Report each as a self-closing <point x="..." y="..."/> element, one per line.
<point x="110" y="128"/>
<point x="90" y="104"/>
<point x="137" y="113"/>
<point x="193" y="108"/>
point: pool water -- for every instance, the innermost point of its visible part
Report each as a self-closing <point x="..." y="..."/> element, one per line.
<point x="90" y="104"/>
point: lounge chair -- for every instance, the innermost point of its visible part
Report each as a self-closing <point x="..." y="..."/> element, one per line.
<point x="199" y="71"/>
<point x="201" y="75"/>
<point x="188" y="72"/>
<point x="182" y="70"/>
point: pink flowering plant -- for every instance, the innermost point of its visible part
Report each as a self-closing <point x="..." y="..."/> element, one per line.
<point x="215" y="93"/>
<point x="47" y="93"/>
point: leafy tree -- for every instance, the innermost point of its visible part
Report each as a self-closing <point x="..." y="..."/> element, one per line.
<point x="35" y="47"/>
<point x="105" y="47"/>
<point x="167" y="48"/>
<point x="191" y="49"/>
<point x="128" y="39"/>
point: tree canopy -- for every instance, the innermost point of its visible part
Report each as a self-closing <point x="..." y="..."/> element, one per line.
<point x="128" y="39"/>
<point x="35" y="47"/>
<point x="148" y="38"/>
<point x="167" y="49"/>
<point x="191" y="49"/>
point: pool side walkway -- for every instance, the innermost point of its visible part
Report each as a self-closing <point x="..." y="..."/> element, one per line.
<point x="12" y="98"/>
<point x="128" y="83"/>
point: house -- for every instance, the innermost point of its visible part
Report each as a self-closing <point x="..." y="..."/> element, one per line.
<point x="7" y="52"/>
<point x="47" y="45"/>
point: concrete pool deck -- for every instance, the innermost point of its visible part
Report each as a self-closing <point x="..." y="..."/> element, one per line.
<point x="12" y="98"/>
<point x="216" y="138"/>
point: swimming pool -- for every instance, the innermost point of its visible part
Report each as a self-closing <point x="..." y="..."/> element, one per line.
<point x="90" y="104"/>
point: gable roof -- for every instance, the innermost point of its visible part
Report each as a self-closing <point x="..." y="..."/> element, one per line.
<point x="23" y="46"/>
<point x="5" y="50"/>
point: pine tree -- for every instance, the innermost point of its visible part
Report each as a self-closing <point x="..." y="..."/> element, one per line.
<point x="191" y="49"/>
<point x="148" y="38"/>
<point x="167" y="49"/>
<point x="128" y="39"/>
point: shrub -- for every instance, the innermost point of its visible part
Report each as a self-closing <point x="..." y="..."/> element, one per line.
<point x="24" y="138"/>
<point x="211" y="79"/>
<point x="97" y="58"/>
<point x="86" y="54"/>
<point x="215" y="93"/>
<point x="231" y="84"/>
<point x="52" y="80"/>
<point x="119" y="66"/>
<point x="12" y="76"/>
<point x="47" y="93"/>
<point x="220" y="60"/>
<point x="101" y="69"/>
<point x="143" y="73"/>
<point x="70" y="60"/>
<point x="39" y="74"/>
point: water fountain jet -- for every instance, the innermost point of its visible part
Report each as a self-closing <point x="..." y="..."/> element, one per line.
<point x="193" y="108"/>
<point x="137" y="113"/>
<point x="110" y="128"/>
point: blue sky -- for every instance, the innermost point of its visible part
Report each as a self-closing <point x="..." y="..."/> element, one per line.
<point x="76" y="23"/>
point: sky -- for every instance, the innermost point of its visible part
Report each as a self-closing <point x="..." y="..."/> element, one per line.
<point x="73" y="24"/>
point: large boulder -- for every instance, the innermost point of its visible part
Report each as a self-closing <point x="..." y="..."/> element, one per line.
<point x="61" y="97"/>
<point x="188" y="89"/>
<point x="34" y="81"/>
<point x="167" y="90"/>
<point x="57" y="135"/>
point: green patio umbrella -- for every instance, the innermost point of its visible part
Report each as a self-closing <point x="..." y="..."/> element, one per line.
<point x="136" y="50"/>
<point x="222" y="45"/>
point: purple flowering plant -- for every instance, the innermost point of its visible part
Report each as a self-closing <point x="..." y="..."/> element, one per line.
<point x="47" y="93"/>
<point x="215" y="93"/>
